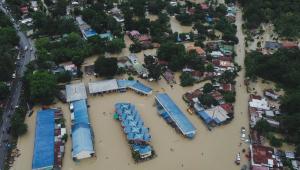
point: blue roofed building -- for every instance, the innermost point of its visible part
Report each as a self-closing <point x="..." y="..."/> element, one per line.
<point x="43" y="154"/>
<point x="172" y="114"/>
<point x="80" y="113"/>
<point x="133" y="127"/>
<point x="82" y="137"/>
<point x="113" y="85"/>
<point x="82" y="143"/>
<point x="107" y="36"/>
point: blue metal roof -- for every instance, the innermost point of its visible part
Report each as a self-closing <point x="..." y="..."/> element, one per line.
<point x="90" y="32"/>
<point x="125" y="83"/>
<point x="141" y="87"/>
<point x="183" y="123"/>
<point x="81" y="138"/>
<point x="204" y="116"/>
<point x="43" y="154"/>
<point x="80" y="112"/>
<point x="135" y="85"/>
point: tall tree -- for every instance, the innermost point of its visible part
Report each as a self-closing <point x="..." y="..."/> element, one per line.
<point x="106" y="67"/>
<point x="42" y="87"/>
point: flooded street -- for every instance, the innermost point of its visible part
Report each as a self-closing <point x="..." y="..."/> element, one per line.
<point x="176" y="27"/>
<point x="209" y="150"/>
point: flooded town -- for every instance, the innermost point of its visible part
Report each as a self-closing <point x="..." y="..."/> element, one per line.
<point x="148" y="85"/>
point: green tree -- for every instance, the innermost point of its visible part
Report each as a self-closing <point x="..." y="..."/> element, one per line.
<point x="173" y="53"/>
<point x="186" y="79"/>
<point x="209" y="68"/>
<point x="207" y="100"/>
<point x="4" y="91"/>
<point x="106" y="67"/>
<point x="229" y="97"/>
<point x="8" y="35"/>
<point x="60" y="8"/>
<point x="78" y="60"/>
<point x="63" y="77"/>
<point x="42" y="87"/>
<point x="153" y="67"/>
<point x="263" y="127"/>
<point x="18" y="127"/>
<point x="115" y="46"/>
<point x="275" y="142"/>
<point x="208" y="87"/>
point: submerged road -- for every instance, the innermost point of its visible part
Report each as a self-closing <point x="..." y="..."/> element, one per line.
<point x="16" y="85"/>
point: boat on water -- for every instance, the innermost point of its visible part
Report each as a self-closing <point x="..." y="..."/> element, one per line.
<point x="238" y="159"/>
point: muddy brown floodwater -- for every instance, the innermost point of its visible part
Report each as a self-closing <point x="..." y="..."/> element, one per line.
<point x="209" y="150"/>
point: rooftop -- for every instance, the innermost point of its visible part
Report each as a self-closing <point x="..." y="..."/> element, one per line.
<point x="102" y="86"/>
<point x="176" y="114"/>
<point x="75" y="92"/>
<point x="43" y="154"/>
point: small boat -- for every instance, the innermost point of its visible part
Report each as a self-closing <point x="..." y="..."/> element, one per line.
<point x="238" y="159"/>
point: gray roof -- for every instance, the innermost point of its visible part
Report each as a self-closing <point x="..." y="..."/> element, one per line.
<point x="102" y="86"/>
<point x="272" y="45"/>
<point x="75" y="92"/>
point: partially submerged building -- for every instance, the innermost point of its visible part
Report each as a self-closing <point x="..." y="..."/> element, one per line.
<point x="133" y="126"/>
<point x="114" y="85"/>
<point x="49" y="143"/>
<point x="75" y="92"/>
<point x="264" y="157"/>
<point x="85" y="29"/>
<point x="138" y="67"/>
<point x="82" y="136"/>
<point x="173" y="115"/>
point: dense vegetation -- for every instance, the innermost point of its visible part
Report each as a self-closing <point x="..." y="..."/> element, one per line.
<point x="100" y="21"/>
<point x="48" y="25"/>
<point x="284" y="14"/>
<point x="106" y="67"/>
<point x="177" y="57"/>
<point x="283" y="68"/>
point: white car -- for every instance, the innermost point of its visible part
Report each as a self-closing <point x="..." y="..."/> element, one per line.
<point x="26" y="48"/>
<point x="14" y="75"/>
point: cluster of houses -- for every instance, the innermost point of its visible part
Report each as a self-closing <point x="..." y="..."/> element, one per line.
<point x="88" y="32"/>
<point x="133" y="126"/>
<point x="262" y="108"/>
<point x="231" y="12"/>
<point x="143" y="39"/>
<point x="265" y="157"/>
<point x="213" y="115"/>
<point x="272" y="46"/>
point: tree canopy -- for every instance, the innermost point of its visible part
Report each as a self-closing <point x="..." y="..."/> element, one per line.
<point x="173" y="53"/>
<point x="8" y="40"/>
<point x="284" y="14"/>
<point x="106" y="67"/>
<point x="42" y="87"/>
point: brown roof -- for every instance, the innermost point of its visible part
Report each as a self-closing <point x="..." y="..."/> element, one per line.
<point x="144" y="38"/>
<point x="198" y="50"/>
<point x="261" y="154"/>
<point x="289" y="44"/>
<point x="197" y="74"/>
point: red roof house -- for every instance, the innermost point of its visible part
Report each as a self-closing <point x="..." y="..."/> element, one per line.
<point x="289" y="44"/>
<point x="204" y="6"/>
<point x="24" y="9"/>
